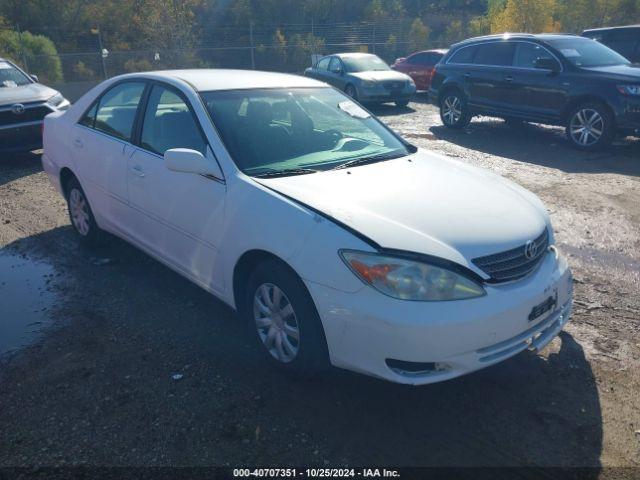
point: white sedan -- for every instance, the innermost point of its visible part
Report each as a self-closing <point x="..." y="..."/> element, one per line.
<point x="338" y="241"/>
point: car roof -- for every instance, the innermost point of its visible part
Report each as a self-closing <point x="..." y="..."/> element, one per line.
<point x="610" y="29"/>
<point x="433" y="50"/>
<point x="352" y="55"/>
<point x="517" y="36"/>
<point x="207" y="79"/>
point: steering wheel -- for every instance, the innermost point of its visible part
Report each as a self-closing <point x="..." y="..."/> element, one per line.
<point x="336" y="135"/>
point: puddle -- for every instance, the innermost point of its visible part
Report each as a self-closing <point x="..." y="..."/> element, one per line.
<point x="24" y="300"/>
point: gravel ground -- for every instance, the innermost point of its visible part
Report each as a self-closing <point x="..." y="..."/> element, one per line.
<point x="98" y="386"/>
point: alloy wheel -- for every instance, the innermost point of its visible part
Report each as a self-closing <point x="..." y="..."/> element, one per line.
<point x="79" y="209"/>
<point x="452" y="110"/>
<point x="276" y="322"/>
<point x="586" y="127"/>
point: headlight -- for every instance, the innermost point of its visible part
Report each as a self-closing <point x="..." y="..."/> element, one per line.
<point x="629" y="89"/>
<point x="56" y="100"/>
<point x="411" y="83"/>
<point x="407" y="279"/>
<point x="368" y="84"/>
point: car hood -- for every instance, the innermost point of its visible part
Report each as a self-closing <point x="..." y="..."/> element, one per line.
<point x="423" y="203"/>
<point x="619" y="72"/>
<point x="32" y="92"/>
<point x="380" y="76"/>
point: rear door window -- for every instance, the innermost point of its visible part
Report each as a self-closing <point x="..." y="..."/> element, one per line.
<point x="117" y="110"/>
<point x="323" y="64"/>
<point x="464" y="55"/>
<point x="496" y="53"/>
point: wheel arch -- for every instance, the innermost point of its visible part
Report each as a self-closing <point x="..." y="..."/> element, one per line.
<point x="449" y="87"/>
<point x="587" y="98"/>
<point x="246" y="264"/>
<point x="66" y="175"/>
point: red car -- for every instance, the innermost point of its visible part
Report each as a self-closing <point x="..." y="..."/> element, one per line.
<point x="420" y="66"/>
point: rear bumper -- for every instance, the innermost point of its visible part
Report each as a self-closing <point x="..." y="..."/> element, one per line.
<point x="21" y="138"/>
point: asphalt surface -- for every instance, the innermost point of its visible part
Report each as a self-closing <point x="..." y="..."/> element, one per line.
<point x="130" y="364"/>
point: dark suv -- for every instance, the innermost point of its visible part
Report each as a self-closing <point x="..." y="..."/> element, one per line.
<point x="562" y="80"/>
<point x="624" y="40"/>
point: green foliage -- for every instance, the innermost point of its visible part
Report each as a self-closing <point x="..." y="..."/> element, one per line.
<point x="418" y="35"/>
<point x="82" y="72"/>
<point x="37" y="51"/>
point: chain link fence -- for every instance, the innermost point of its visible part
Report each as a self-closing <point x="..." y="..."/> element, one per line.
<point x="82" y="59"/>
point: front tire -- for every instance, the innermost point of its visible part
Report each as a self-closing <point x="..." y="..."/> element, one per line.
<point x="454" y="111"/>
<point x="590" y="126"/>
<point x="284" y="320"/>
<point x="351" y="91"/>
<point x="81" y="215"/>
<point x="402" y="103"/>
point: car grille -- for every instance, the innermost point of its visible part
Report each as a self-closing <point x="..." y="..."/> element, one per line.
<point x="393" y="85"/>
<point x="515" y="263"/>
<point x="31" y="113"/>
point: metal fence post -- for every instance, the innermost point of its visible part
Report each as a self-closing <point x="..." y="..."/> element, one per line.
<point x="102" y="56"/>
<point x="253" y="59"/>
<point x="374" y="36"/>
<point x="23" y="52"/>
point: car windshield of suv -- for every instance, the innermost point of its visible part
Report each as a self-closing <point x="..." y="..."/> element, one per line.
<point x="273" y="132"/>
<point x="10" y="76"/>
<point x="587" y="53"/>
<point x="364" y="63"/>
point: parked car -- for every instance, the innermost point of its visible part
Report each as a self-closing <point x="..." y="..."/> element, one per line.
<point x="562" y="80"/>
<point x="624" y="40"/>
<point x="336" y="240"/>
<point x="420" y="66"/>
<point x="364" y="77"/>
<point x="23" y="104"/>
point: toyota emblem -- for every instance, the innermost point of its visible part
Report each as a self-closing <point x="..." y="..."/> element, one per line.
<point x="18" y="109"/>
<point x="530" y="249"/>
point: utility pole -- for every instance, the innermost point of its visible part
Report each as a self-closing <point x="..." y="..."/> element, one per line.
<point x="23" y="52"/>
<point x="103" y="52"/>
<point x="253" y="59"/>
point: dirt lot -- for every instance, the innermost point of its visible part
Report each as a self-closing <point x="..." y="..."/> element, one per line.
<point x="98" y="387"/>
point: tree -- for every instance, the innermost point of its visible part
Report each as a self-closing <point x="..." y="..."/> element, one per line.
<point x="418" y="35"/>
<point x="532" y="16"/>
<point x="37" y="51"/>
<point x="455" y="32"/>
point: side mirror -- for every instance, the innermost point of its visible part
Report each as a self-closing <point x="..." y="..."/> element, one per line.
<point x="191" y="161"/>
<point x="34" y="78"/>
<point x="547" y="64"/>
<point x="400" y="60"/>
<point x="337" y="71"/>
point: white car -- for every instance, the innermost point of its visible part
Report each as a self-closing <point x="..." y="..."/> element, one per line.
<point x="337" y="240"/>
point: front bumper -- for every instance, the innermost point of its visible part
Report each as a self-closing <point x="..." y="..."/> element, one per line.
<point x="22" y="138"/>
<point x="370" y="333"/>
<point x="628" y="116"/>
<point x="22" y="132"/>
<point x="380" y="94"/>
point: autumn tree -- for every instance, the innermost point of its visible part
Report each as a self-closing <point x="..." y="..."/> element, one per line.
<point x="418" y="35"/>
<point x="533" y="16"/>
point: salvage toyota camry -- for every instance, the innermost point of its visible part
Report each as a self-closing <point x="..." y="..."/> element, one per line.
<point x="335" y="239"/>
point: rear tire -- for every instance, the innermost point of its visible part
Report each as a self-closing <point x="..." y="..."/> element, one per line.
<point x="590" y="126"/>
<point x="402" y="103"/>
<point x="454" y="111"/>
<point x="81" y="215"/>
<point x="284" y="321"/>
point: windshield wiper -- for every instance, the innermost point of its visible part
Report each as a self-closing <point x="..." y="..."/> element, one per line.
<point x="366" y="160"/>
<point x="285" y="173"/>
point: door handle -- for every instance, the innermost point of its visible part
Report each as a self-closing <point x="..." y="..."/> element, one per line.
<point x="78" y="143"/>
<point x="508" y="78"/>
<point x="137" y="171"/>
<point x="467" y="75"/>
